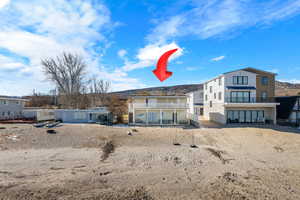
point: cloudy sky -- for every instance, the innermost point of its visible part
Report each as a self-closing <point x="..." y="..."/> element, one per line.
<point x="121" y="40"/>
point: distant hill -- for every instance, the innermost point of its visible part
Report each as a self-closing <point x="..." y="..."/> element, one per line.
<point x="166" y="90"/>
<point x="287" y="89"/>
<point x="282" y="89"/>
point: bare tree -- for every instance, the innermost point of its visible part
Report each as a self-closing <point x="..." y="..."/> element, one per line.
<point x="98" y="91"/>
<point x="67" y="72"/>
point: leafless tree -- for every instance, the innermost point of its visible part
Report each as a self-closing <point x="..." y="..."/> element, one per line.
<point x="67" y="71"/>
<point x="98" y="91"/>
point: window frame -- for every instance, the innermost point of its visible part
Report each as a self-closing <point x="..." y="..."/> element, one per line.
<point x="240" y="80"/>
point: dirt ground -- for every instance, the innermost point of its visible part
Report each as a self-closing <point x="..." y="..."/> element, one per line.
<point x="97" y="162"/>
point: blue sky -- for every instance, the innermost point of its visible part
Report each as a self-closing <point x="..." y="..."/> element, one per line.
<point x="121" y="40"/>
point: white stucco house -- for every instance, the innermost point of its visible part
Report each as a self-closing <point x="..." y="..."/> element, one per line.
<point x="11" y="107"/>
<point x="158" y="110"/>
<point x="241" y="96"/>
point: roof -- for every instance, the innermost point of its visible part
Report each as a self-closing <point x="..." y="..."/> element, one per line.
<point x="12" y="98"/>
<point x="286" y="106"/>
<point x="243" y="69"/>
<point x="247" y="69"/>
<point x="251" y="69"/>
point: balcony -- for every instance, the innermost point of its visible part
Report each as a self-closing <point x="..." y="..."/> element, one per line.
<point x="160" y="105"/>
<point x="249" y="100"/>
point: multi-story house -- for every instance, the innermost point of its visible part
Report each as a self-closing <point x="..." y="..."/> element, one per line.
<point x="11" y="107"/>
<point x="158" y="110"/>
<point x="241" y="96"/>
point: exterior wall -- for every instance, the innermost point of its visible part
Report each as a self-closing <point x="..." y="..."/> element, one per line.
<point x="270" y="88"/>
<point x="229" y="82"/>
<point x="216" y="112"/>
<point x="193" y="98"/>
<point x="190" y="101"/>
<point x="11" y="109"/>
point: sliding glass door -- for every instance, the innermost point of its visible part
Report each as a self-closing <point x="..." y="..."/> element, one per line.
<point x="245" y="116"/>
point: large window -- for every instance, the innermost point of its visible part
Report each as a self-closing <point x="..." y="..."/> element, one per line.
<point x="239" y="97"/>
<point x="153" y="117"/>
<point x="140" y="116"/>
<point x="210" y="89"/>
<point x="240" y="80"/>
<point x="264" y="80"/>
<point x="245" y="116"/>
<point x="3" y="102"/>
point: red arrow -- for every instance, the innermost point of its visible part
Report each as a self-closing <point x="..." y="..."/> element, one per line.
<point x="161" y="67"/>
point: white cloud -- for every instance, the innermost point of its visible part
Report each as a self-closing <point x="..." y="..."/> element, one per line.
<point x="149" y="55"/>
<point x="216" y="59"/>
<point x="51" y="27"/>
<point x="192" y="68"/>
<point x="207" y="19"/>
<point x="4" y="3"/>
<point x="122" y="53"/>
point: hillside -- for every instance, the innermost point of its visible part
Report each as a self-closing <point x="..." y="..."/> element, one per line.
<point x="287" y="89"/>
<point x="167" y="90"/>
<point x="282" y="89"/>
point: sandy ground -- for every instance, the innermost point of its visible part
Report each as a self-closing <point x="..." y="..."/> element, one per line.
<point x="228" y="163"/>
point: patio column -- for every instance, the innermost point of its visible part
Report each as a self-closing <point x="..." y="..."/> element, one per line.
<point x="175" y="116"/>
<point x="160" y="116"/>
<point x="147" y="116"/>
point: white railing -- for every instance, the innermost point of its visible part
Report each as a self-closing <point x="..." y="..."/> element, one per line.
<point x="160" y="105"/>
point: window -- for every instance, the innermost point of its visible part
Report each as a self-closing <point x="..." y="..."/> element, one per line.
<point x="206" y="97"/>
<point x="215" y="95"/>
<point x="264" y="80"/>
<point x="201" y="95"/>
<point x="240" y="80"/>
<point x="205" y="86"/>
<point x="220" y="81"/>
<point x="79" y="115"/>
<point x="220" y="96"/>
<point x="3" y="102"/>
<point x="210" y="89"/>
<point x="264" y="95"/>
<point x="210" y="104"/>
<point x="239" y="97"/>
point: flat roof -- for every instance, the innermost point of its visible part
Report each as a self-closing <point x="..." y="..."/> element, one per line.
<point x="13" y="98"/>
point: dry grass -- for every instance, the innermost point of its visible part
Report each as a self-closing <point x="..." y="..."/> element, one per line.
<point x="107" y="149"/>
<point x="218" y="154"/>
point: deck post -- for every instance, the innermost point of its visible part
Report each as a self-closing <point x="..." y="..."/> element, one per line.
<point x="160" y="115"/>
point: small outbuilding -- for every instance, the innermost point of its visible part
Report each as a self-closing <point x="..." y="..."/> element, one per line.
<point x="96" y="115"/>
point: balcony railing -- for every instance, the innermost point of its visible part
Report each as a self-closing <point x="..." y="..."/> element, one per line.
<point x="250" y="100"/>
<point x="160" y="105"/>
